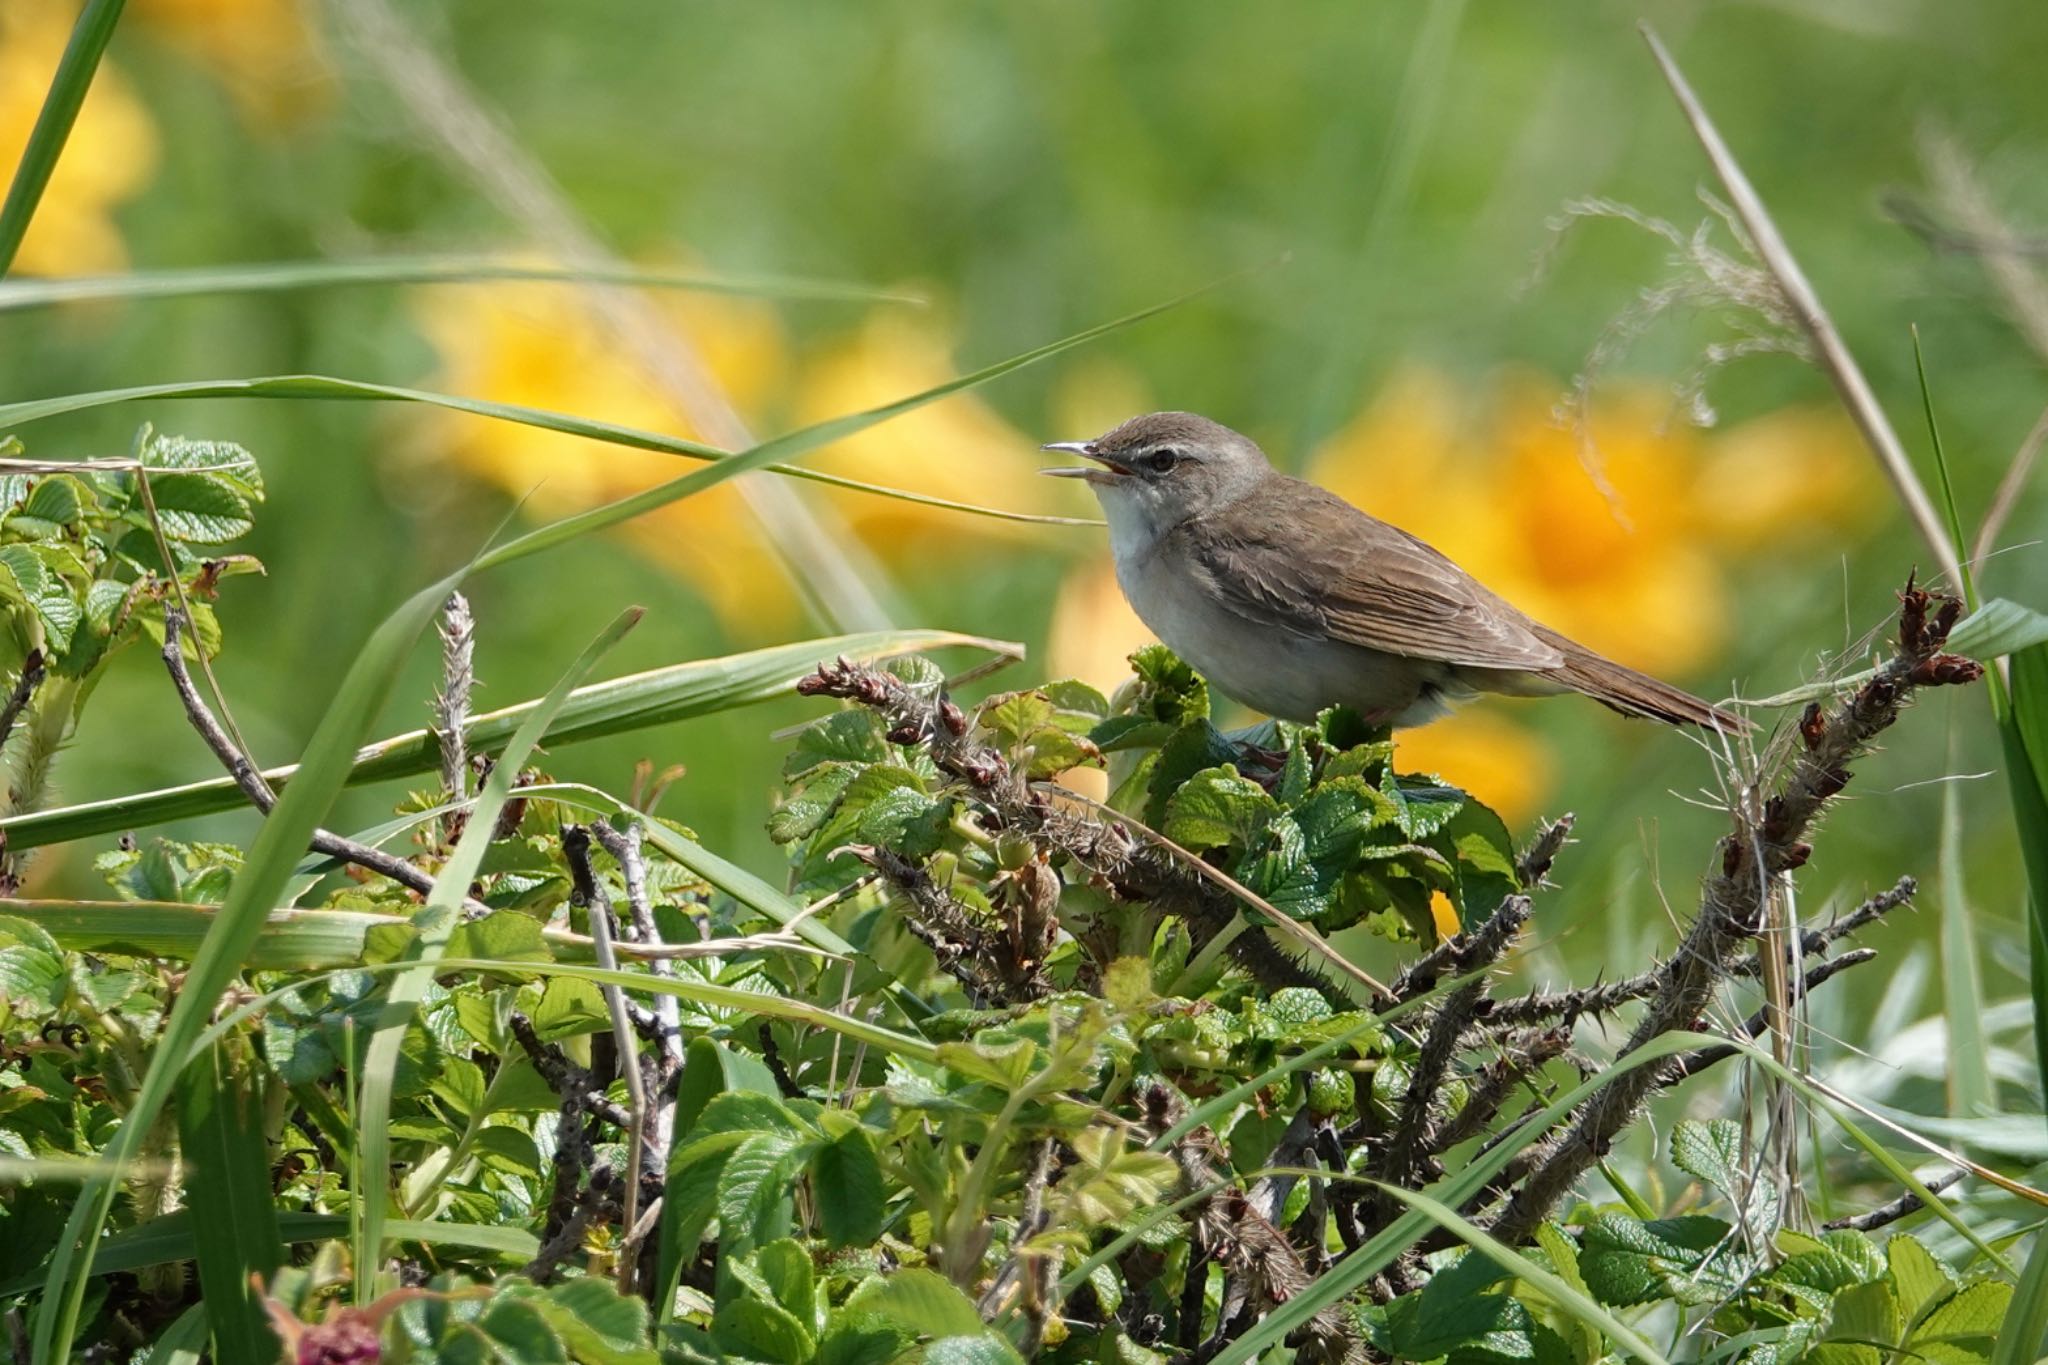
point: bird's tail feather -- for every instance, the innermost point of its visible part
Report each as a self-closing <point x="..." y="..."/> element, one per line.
<point x="1633" y="693"/>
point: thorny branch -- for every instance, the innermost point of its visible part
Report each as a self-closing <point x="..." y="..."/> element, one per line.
<point x="1767" y="842"/>
<point x="1132" y="869"/>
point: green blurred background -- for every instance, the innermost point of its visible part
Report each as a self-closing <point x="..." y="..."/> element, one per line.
<point x="1392" y="170"/>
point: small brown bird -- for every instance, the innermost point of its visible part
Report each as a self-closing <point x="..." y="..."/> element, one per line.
<point x="1291" y="600"/>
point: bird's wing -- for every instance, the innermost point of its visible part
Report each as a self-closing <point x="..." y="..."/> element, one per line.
<point x="1366" y="583"/>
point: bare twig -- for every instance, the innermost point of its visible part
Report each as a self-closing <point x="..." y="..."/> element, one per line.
<point x="588" y="892"/>
<point x="252" y="782"/>
<point x="1805" y="305"/>
<point x="1904" y="1206"/>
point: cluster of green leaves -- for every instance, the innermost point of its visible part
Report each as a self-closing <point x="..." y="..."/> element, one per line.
<point x="84" y="568"/>
<point x="1754" y="1292"/>
<point x="1316" y="819"/>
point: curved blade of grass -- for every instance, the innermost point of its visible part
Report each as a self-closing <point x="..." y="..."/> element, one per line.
<point x="329" y="388"/>
<point x="264" y="872"/>
<point x="267" y="277"/>
<point x="798" y="442"/>
<point x="437" y="920"/>
<point x="293" y="939"/>
<point x="618" y="706"/>
<point x="1552" y="1287"/>
<point x="170" y="1239"/>
<point x="89" y="37"/>
<point x="226" y="1163"/>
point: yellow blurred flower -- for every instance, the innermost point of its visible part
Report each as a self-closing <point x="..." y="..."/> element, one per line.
<point x="957" y="448"/>
<point x="538" y="345"/>
<point x="1479" y="749"/>
<point x="264" y="51"/>
<point x="110" y="155"/>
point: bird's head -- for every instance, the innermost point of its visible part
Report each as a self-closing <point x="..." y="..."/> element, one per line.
<point x="1156" y="471"/>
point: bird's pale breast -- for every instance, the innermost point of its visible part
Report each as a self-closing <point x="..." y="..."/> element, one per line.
<point x="1272" y="669"/>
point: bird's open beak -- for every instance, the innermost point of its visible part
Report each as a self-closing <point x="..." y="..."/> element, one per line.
<point x="1112" y="469"/>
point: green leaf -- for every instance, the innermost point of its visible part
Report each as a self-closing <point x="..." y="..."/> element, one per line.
<point x="847" y="1188"/>
<point x="754" y="1190"/>
<point x="1918" y="1277"/>
<point x="200" y="508"/>
<point x="278" y="276"/>
<point x="1194" y="747"/>
<point x="1713" y="1153"/>
<point x="1996" y="628"/>
<point x="982" y="1348"/>
<point x="757" y="1330"/>
<point x="226" y="1162"/>
<point x="1963" y="1328"/>
<point x="1625" y="1261"/>
<point x="785" y="1267"/>
<point x="32" y="975"/>
<point x="1216" y="808"/>
<point x="1866" y="1313"/>
<point x="599" y="1325"/>
<point x="921" y="1303"/>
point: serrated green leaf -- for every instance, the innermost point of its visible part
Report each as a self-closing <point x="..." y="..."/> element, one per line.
<point x="1918" y="1277"/>
<point x="1866" y="1313"/>
<point x="754" y="1190"/>
<point x="223" y="460"/>
<point x="32" y="975"/>
<point x="1625" y="1261"/>
<point x="200" y="509"/>
<point x="848" y="1189"/>
<point x="981" y="1348"/>
<point x="842" y="737"/>
<point x="754" y="1329"/>
<point x="918" y="1302"/>
<point x="1217" y="808"/>
<point x="1962" y="1327"/>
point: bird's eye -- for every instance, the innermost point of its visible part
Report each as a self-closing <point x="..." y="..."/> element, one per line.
<point x="1163" y="460"/>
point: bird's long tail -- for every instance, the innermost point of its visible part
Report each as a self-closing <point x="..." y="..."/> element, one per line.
<point x="1633" y="693"/>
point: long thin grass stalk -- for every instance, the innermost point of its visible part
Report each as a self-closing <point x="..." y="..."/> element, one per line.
<point x="1836" y="360"/>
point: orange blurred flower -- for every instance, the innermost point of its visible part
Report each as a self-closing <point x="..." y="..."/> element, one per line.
<point x="110" y="155"/>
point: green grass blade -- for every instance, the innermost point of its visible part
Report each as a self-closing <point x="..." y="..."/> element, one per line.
<point x="269" y="277"/>
<point x="265" y="870"/>
<point x="2023" y="1336"/>
<point x="291" y="940"/>
<point x="795" y="443"/>
<point x="227" y="1173"/>
<point x="1553" y="1287"/>
<point x="321" y="387"/>
<point x="169" y="1239"/>
<point x="89" y="37"/>
<point x="618" y="706"/>
<point x="437" y="920"/>
<point x="1948" y="488"/>
<point x="1970" y="1091"/>
<point x="2023" y="731"/>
